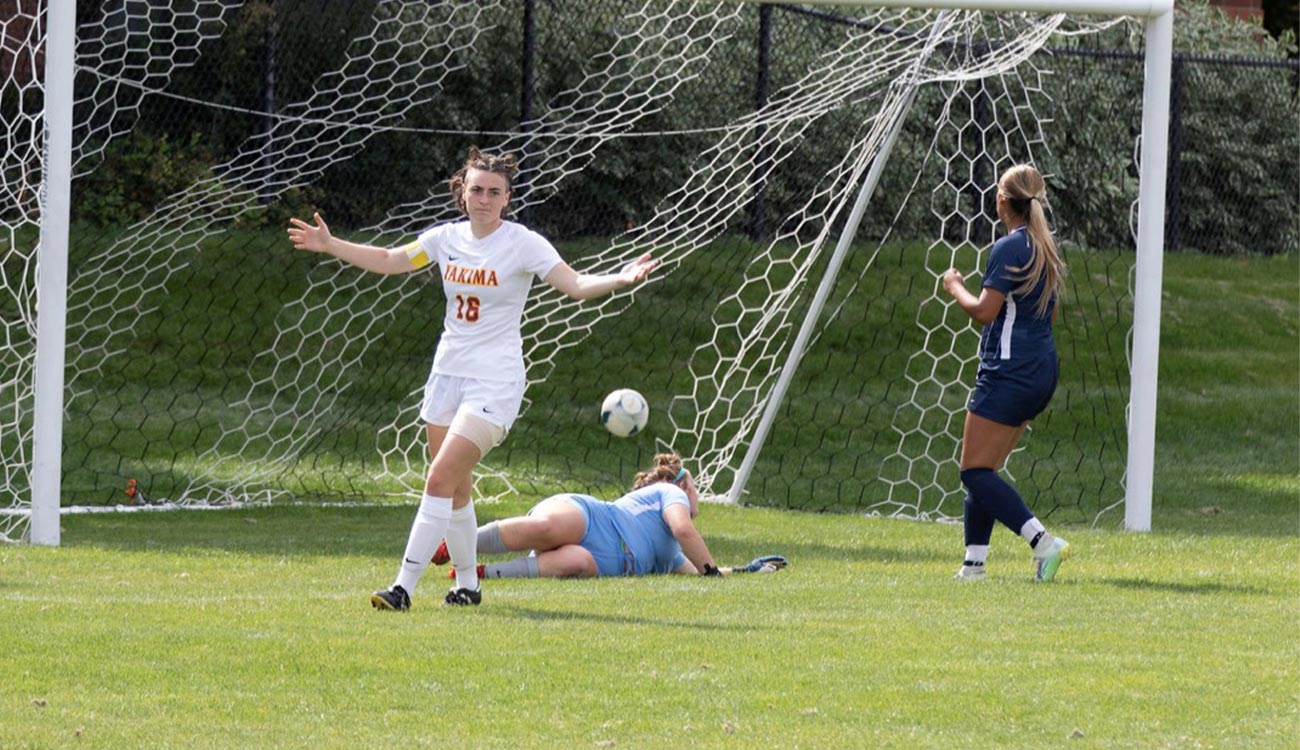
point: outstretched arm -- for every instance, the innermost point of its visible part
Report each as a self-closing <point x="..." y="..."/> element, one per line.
<point x="679" y="521"/>
<point x="763" y="564"/>
<point x="588" y="286"/>
<point x="318" y="239"/>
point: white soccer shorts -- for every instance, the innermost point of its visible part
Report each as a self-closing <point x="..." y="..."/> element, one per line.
<point x="494" y="401"/>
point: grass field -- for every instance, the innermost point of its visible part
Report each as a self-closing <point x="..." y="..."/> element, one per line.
<point x="251" y="628"/>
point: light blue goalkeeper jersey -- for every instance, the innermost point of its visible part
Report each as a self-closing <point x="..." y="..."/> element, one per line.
<point x="639" y="518"/>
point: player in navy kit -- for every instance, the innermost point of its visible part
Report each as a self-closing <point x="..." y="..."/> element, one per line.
<point x="476" y="385"/>
<point x="648" y="531"/>
<point x="1017" y="372"/>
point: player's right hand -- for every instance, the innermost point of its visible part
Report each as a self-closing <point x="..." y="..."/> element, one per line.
<point x="304" y="236"/>
<point x="952" y="279"/>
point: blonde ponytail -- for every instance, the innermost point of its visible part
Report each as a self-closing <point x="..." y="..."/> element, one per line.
<point x="1027" y="195"/>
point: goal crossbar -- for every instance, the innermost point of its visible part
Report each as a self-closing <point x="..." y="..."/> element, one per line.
<point x="1138" y="8"/>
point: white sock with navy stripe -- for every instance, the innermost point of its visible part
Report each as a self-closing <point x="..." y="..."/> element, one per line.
<point x="1036" y="534"/>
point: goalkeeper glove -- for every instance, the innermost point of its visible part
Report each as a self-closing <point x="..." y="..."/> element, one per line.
<point x="764" y="564"/>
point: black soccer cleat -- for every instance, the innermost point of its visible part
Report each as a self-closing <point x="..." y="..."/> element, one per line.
<point x="393" y="600"/>
<point x="463" y="597"/>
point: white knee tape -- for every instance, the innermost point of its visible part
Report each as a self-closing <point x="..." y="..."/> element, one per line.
<point x="478" y="431"/>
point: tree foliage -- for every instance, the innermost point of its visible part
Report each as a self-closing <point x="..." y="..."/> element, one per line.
<point x="1236" y="140"/>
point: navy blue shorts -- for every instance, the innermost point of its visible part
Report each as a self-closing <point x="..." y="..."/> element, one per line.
<point x="1013" y="397"/>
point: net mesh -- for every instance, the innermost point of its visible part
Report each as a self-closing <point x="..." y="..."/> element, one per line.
<point x="213" y="365"/>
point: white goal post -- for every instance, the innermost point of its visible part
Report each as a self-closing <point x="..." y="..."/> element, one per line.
<point x="578" y="123"/>
<point x="1150" y="241"/>
<point x="52" y="274"/>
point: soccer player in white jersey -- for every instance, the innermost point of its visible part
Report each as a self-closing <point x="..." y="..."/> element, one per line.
<point x="476" y="385"/>
<point x="648" y="531"/>
<point x="1017" y="372"/>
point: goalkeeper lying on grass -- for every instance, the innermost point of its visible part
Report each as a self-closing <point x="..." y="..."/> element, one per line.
<point x="647" y="531"/>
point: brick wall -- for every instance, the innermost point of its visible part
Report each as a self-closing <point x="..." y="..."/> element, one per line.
<point x="1243" y="9"/>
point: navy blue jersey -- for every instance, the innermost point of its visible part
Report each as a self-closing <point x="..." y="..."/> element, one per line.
<point x="1018" y="335"/>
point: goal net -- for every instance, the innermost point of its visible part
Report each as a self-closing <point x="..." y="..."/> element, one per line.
<point x="207" y="362"/>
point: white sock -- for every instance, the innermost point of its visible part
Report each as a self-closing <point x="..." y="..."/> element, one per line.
<point x="1044" y="544"/>
<point x="977" y="553"/>
<point x="1032" y="528"/>
<point x="1036" y="534"/>
<point x="462" y="543"/>
<point x="426" y="531"/>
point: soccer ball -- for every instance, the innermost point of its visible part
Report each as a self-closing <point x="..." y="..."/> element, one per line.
<point x="624" y="412"/>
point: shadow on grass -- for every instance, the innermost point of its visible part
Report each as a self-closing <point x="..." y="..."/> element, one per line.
<point x="1241" y="500"/>
<point x="381" y="532"/>
<point x="284" y="530"/>
<point x="528" y="613"/>
<point x="1175" y="587"/>
<point x="736" y="550"/>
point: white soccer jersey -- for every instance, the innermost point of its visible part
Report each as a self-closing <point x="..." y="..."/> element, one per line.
<point x="486" y="281"/>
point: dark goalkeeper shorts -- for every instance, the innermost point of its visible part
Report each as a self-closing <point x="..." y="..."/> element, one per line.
<point x="1015" y="396"/>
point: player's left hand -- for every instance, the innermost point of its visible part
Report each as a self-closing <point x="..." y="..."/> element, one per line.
<point x="637" y="269"/>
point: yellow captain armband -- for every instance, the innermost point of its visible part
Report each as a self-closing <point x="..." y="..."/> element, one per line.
<point x="417" y="255"/>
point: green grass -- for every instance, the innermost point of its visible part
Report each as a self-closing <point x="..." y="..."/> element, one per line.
<point x="1228" y="418"/>
<point x="163" y="401"/>
<point x="251" y="628"/>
